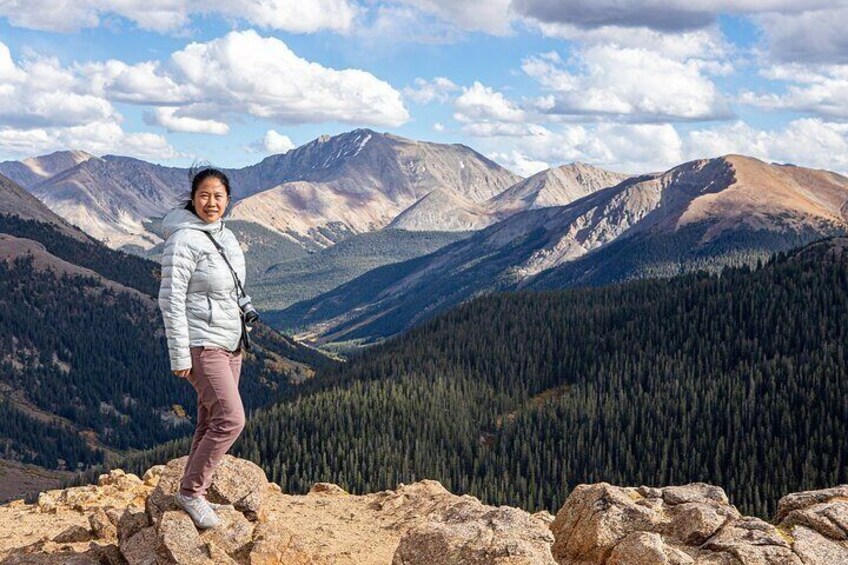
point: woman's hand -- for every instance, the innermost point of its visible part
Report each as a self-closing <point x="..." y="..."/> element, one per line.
<point x="183" y="374"/>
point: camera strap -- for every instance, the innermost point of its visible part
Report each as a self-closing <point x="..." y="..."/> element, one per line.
<point x="245" y="338"/>
<point x="233" y="271"/>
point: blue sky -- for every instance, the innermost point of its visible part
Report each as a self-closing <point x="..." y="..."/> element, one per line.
<point x="633" y="87"/>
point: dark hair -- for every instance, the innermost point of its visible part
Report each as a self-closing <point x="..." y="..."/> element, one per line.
<point x="198" y="176"/>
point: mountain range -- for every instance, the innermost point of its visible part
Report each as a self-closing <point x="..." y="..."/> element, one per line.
<point x="570" y="225"/>
<point x="701" y="214"/>
<point x="316" y="194"/>
<point x="292" y="205"/>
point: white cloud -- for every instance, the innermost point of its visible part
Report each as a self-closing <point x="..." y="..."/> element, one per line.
<point x="243" y="72"/>
<point x="425" y="91"/>
<point x="619" y="147"/>
<point x="167" y="117"/>
<point x="519" y="163"/>
<point x="275" y="142"/>
<point x="439" y="127"/>
<point x="40" y="92"/>
<point x="97" y="138"/>
<point x="46" y="107"/>
<point x="708" y="43"/>
<point x="630" y="83"/>
<point x="142" y="83"/>
<point x="480" y="106"/>
<point x="809" y="142"/>
<point x="490" y="16"/>
<point x="819" y="89"/>
<point x="298" y="16"/>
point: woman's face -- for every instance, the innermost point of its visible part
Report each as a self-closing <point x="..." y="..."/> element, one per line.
<point x="210" y="200"/>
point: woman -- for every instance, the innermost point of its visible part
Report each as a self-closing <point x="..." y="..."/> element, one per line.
<point x="203" y="325"/>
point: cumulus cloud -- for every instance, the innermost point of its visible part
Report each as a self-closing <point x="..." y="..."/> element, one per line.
<point x="425" y="91"/>
<point x="619" y="147"/>
<point x="518" y="163"/>
<point x="244" y="72"/>
<point x="97" y="138"/>
<point x="491" y="16"/>
<point x="629" y="83"/>
<point x="275" y="142"/>
<point x="46" y="107"/>
<point x="40" y="92"/>
<point x="169" y="117"/>
<point x="822" y="90"/>
<point x="299" y="16"/>
<point x="705" y="44"/>
<point x="141" y="83"/>
<point x="809" y="142"/>
<point x="641" y="148"/>
<point x="485" y="112"/>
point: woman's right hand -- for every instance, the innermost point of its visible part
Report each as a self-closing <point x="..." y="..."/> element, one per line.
<point x="183" y="374"/>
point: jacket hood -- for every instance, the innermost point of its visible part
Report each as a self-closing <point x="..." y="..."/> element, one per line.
<point x="180" y="218"/>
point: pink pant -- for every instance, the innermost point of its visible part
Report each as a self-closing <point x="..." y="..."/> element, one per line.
<point x="220" y="414"/>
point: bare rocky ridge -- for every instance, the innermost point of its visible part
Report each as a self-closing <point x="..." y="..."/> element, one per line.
<point x="362" y="180"/>
<point x="15" y="201"/>
<point x="34" y="170"/>
<point x="556" y="186"/>
<point x="445" y="211"/>
<point x="127" y="519"/>
<point x="110" y="198"/>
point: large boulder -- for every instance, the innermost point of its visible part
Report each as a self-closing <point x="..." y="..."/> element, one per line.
<point x="472" y="533"/>
<point x="236" y="481"/>
<point x="168" y="532"/>
<point x="817" y="523"/>
<point x="694" y="523"/>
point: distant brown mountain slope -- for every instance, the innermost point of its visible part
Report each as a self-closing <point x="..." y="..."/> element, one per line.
<point x="34" y="170"/>
<point x="556" y="186"/>
<point x="759" y="192"/>
<point x="15" y="201"/>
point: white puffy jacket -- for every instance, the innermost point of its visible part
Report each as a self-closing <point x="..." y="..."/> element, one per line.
<point x="197" y="296"/>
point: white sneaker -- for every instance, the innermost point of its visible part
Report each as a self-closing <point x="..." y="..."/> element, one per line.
<point x="200" y="511"/>
<point x="215" y="506"/>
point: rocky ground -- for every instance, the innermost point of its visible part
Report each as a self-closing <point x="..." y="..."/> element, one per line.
<point x="127" y="519"/>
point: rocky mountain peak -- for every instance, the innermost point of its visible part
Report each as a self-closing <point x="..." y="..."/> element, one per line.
<point x="34" y="170"/>
<point x="557" y="186"/>
<point x="127" y="519"/>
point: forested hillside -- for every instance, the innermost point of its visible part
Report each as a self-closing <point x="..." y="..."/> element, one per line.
<point x="129" y="270"/>
<point x="737" y="380"/>
<point x="83" y="360"/>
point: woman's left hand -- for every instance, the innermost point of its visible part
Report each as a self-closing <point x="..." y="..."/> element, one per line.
<point x="182" y="374"/>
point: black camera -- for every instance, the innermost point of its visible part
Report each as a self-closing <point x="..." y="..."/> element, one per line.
<point x="248" y="311"/>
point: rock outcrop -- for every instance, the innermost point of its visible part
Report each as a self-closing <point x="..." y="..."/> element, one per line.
<point x="126" y="519"/>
